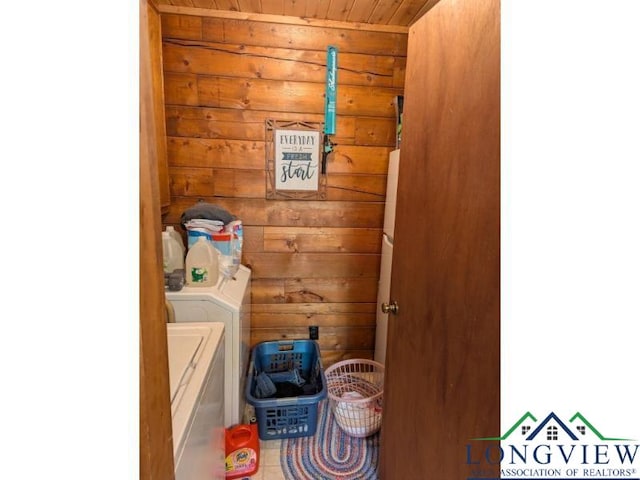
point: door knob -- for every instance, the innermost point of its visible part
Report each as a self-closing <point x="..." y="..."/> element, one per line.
<point x="390" y="308"/>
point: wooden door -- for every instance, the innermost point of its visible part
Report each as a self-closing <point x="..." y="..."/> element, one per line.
<point x="442" y="382"/>
<point x="156" y="441"/>
<point x="155" y="88"/>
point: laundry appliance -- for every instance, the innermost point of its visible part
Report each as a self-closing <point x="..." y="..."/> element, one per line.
<point x="384" y="284"/>
<point x="229" y="302"/>
<point x="196" y="379"/>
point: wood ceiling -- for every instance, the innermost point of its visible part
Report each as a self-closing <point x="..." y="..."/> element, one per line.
<point x="389" y="15"/>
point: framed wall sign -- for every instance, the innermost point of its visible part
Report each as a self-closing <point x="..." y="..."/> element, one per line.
<point x="294" y="160"/>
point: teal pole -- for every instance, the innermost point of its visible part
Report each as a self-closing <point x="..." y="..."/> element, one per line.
<point x="330" y="91"/>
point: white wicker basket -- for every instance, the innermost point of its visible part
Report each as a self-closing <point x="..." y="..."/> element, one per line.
<point x="355" y="389"/>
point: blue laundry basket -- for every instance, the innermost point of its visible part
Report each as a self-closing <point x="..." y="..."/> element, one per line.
<point x="286" y="417"/>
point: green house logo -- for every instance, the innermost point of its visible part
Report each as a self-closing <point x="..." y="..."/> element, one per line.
<point x="553" y="426"/>
<point x="550" y="447"/>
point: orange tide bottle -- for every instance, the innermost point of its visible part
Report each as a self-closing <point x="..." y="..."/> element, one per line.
<point x="242" y="451"/>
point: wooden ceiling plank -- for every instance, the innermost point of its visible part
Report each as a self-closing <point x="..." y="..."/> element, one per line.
<point x="383" y="11"/>
<point x="360" y="11"/>
<point x="406" y="12"/>
<point x="203" y="3"/>
<point x="250" y="6"/>
<point x="428" y="5"/>
<point x="339" y="10"/>
<point x="376" y="12"/>
<point x="270" y="18"/>
<point x="231" y="5"/>
<point x="317" y="9"/>
<point x="182" y="3"/>
<point x="273" y="7"/>
<point x="295" y="8"/>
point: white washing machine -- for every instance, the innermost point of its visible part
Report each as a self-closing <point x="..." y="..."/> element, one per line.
<point x="228" y="302"/>
<point x="196" y="378"/>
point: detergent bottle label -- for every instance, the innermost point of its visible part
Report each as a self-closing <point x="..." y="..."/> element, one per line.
<point x="241" y="461"/>
<point x="199" y="275"/>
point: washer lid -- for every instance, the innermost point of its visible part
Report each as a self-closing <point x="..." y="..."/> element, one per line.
<point x="183" y="348"/>
<point x="227" y="293"/>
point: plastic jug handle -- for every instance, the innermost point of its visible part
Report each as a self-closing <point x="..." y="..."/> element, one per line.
<point x="241" y="433"/>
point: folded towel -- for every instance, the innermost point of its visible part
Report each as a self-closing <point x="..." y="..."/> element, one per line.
<point x="264" y="386"/>
<point x="292" y="376"/>
<point x="213" y="226"/>
<point x="207" y="211"/>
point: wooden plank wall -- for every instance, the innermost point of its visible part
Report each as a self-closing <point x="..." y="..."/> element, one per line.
<point x="313" y="262"/>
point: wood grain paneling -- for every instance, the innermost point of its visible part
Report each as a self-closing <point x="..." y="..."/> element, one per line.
<point x="315" y="308"/>
<point x="357" y="187"/>
<point x="294" y="8"/>
<point x="243" y="32"/>
<point x="227" y="123"/>
<point x="216" y="153"/>
<point x="289" y="213"/>
<point x="246" y="183"/>
<point x="341" y="240"/>
<point x="279" y="320"/>
<point x="156" y="88"/>
<point x="156" y="448"/>
<point x="219" y="59"/>
<point x="180" y="88"/>
<point x="312" y="261"/>
<point x="303" y="290"/>
<point x="443" y="345"/>
<point x="331" y="338"/>
<point x="313" y="265"/>
<point x="218" y="182"/>
<point x="375" y="131"/>
<point x="360" y="11"/>
<point x="317" y="9"/>
<point x="329" y="357"/>
<point x="326" y="214"/>
<point x="364" y="15"/>
<point x="274" y="7"/>
<point x="275" y="95"/>
<point x="187" y="27"/>
<point x="250" y="154"/>
<point x="405" y="13"/>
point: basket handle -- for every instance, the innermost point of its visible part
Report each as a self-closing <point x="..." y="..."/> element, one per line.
<point x="285" y="347"/>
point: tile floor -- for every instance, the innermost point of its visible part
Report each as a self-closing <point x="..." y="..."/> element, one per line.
<point x="269" y="468"/>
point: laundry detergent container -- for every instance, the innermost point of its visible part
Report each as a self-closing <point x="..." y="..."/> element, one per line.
<point x="285" y="384"/>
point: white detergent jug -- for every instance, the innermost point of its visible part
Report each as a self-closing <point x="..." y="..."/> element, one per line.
<point x="174" y="234"/>
<point x="202" y="264"/>
<point x="172" y="258"/>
